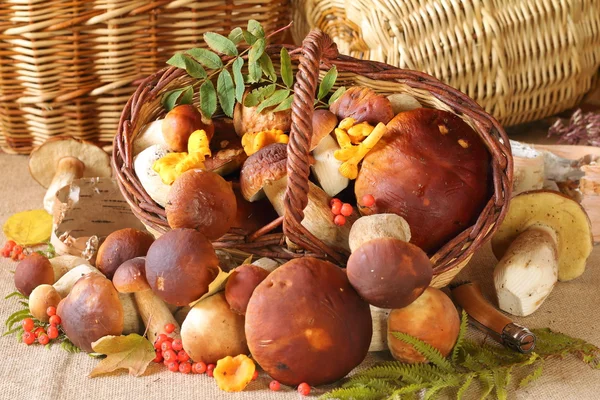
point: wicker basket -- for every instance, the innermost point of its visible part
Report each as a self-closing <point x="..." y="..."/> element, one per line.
<point x="68" y="67"/>
<point x="320" y="53"/>
<point x="521" y="60"/>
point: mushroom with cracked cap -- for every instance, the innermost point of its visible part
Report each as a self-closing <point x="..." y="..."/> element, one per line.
<point x="545" y="237"/>
<point x="59" y="161"/>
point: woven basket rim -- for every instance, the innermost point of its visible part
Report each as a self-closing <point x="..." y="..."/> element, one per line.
<point x="452" y="255"/>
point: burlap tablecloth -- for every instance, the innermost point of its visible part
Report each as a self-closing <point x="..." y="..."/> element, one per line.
<point x="32" y="373"/>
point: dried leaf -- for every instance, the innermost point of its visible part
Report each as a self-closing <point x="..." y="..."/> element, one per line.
<point x="287" y="72"/>
<point x="206" y="57"/>
<point x="275" y="99"/>
<point x="220" y="44"/>
<point x="236" y="35"/>
<point x="238" y="78"/>
<point x="226" y="92"/>
<point x="132" y="352"/>
<point x="327" y="82"/>
<point x="215" y="286"/>
<point x="29" y="227"/>
<point x="208" y="99"/>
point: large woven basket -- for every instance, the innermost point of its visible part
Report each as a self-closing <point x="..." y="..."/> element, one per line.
<point x="521" y="60"/>
<point x="319" y="53"/>
<point x="68" y="67"/>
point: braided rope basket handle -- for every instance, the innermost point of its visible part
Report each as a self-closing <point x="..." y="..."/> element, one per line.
<point x="316" y="46"/>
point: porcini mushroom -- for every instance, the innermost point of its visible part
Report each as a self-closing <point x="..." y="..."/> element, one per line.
<point x="241" y="284"/>
<point x="267" y="164"/>
<point x="40" y="299"/>
<point x="64" y="263"/>
<point x="32" y="271"/>
<point x="120" y="246"/>
<point x="130" y="277"/>
<point x="66" y="282"/>
<point x="180" y="265"/>
<point x="180" y="123"/>
<point x="247" y="119"/>
<point x="544" y="237"/>
<point x="59" y="161"/>
<point x="364" y="105"/>
<point x="201" y="200"/>
<point x="378" y="226"/>
<point x="92" y="310"/>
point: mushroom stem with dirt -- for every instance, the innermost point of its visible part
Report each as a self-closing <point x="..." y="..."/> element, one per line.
<point x="130" y="277"/>
<point x="545" y="237"/>
<point x="59" y="161"/>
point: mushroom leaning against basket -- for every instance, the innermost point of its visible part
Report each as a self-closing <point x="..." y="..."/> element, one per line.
<point x="59" y="161"/>
<point x="545" y="237"/>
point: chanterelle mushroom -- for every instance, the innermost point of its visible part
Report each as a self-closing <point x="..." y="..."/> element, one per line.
<point x="58" y="161"/>
<point x="545" y="236"/>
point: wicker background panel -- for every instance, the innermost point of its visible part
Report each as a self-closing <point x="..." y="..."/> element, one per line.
<point x="69" y="66"/>
<point x="521" y="60"/>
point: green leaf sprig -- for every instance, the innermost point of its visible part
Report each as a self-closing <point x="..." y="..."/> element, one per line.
<point x="492" y="367"/>
<point x="232" y="77"/>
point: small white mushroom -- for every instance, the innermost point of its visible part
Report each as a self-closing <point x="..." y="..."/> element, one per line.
<point x="150" y="180"/>
<point x="150" y="135"/>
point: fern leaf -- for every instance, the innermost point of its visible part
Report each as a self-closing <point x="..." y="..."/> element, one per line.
<point x="501" y="382"/>
<point x="465" y="386"/>
<point x="487" y="383"/>
<point x="537" y="372"/>
<point x="464" y="323"/>
<point x="432" y="354"/>
<point x="15" y="294"/>
<point x="409" y="389"/>
<point x="358" y="393"/>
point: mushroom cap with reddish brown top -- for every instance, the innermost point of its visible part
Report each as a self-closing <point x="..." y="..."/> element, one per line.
<point x="432" y="169"/>
<point x="305" y="323"/>
<point x="389" y="273"/>
<point x="267" y="164"/>
<point x="323" y="123"/>
<point x="90" y="311"/>
<point x="180" y="265"/>
<point x="364" y="105"/>
<point x="44" y="159"/>
<point x="32" y="271"/>
<point x="130" y="277"/>
<point x="120" y="246"/>
<point x="241" y="284"/>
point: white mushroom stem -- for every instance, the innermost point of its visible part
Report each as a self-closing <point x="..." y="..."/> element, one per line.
<point x="155" y="314"/>
<point x="379" y="318"/>
<point x="527" y="272"/>
<point x="132" y="322"/>
<point x="528" y="168"/>
<point x="65" y="263"/>
<point x="64" y="285"/>
<point x="68" y="169"/>
<point x="326" y="167"/>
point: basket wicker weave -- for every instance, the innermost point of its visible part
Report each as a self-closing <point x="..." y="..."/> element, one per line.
<point x="521" y="60"/>
<point x="68" y="67"/>
<point x="319" y="52"/>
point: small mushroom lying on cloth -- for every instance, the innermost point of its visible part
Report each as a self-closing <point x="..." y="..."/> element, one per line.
<point x="544" y="237"/>
<point x="59" y="161"/>
<point x="32" y="271"/>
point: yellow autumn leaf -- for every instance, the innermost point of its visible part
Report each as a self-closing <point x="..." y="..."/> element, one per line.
<point x="215" y="286"/>
<point x="132" y="352"/>
<point x="29" y="227"/>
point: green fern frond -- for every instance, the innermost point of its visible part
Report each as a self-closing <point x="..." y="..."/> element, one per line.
<point x="464" y="324"/>
<point x="357" y="393"/>
<point x="501" y="382"/>
<point x="487" y="383"/>
<point x="15" y="294"/>
<point x="465" y="386"/>
<point x="537" y="372"/>
<point x="382" y="385"/>
<point x="432" y="354"/>
<point x="408" y="390"/>
<point x="554" y="344"/>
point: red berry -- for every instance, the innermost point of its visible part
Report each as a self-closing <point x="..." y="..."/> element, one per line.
<point x="6" y="253"/>
<point x="17" y="249"/>
<point x="38" y="331"/>
<point x="165" y="363"/>
<point x="21" y="257"/>
<point x="14" y="256"/>
<point x="10" y="245"/>
<point x="339" y="220"/>
<point x="255" y="375"/>
<point x="55" y="320"/>
<point x="159" y="357"/>
<point x="166" y="345"/>
<point x="368" y="200"/>
<point x="169" y="328"/>
<point x="177" y="345"/>
<point x="209" y="369"/>
<point x="28" y="338"/>
<point x="346" y="210"/>
<point x="51" y="311"/>
<point x="28" y="324"/>
<point x="304" y="389"/>
<point x="182" y="356"/>
<point x="199" y="367"/>
<point x="173" y="366"/>
<point x="43" y="339"/>
<point x="336" y="208"/>
<point x="52" y="332"/>
<point x="333" y="201"/>
<point x="169" y="355"/>
<point x="185" y="367"/>
<point x="275" y="386"/>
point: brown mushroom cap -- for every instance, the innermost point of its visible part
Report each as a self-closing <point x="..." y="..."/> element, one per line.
<point x="90" y="311"/>
<point x="241" y="284"/>
<point x="180" y="265"/>
<point x="130" y="277"/>
<point x="228" y="154"/>
<point x="44" y="159"/>
<point x="323" y="123"/>
<point x="389" y="273"/>
<point x="364" y="105"/>
<point x="201" y="200"/>
<point x="267" y="164"/>
<point x="32" y="271"/>
<point x="180" y="123"/>
<point x="40" y="299"/>
<point x="247" y="119"/>
<point x="120" y="246"/>
<point x="306" y="314"/>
